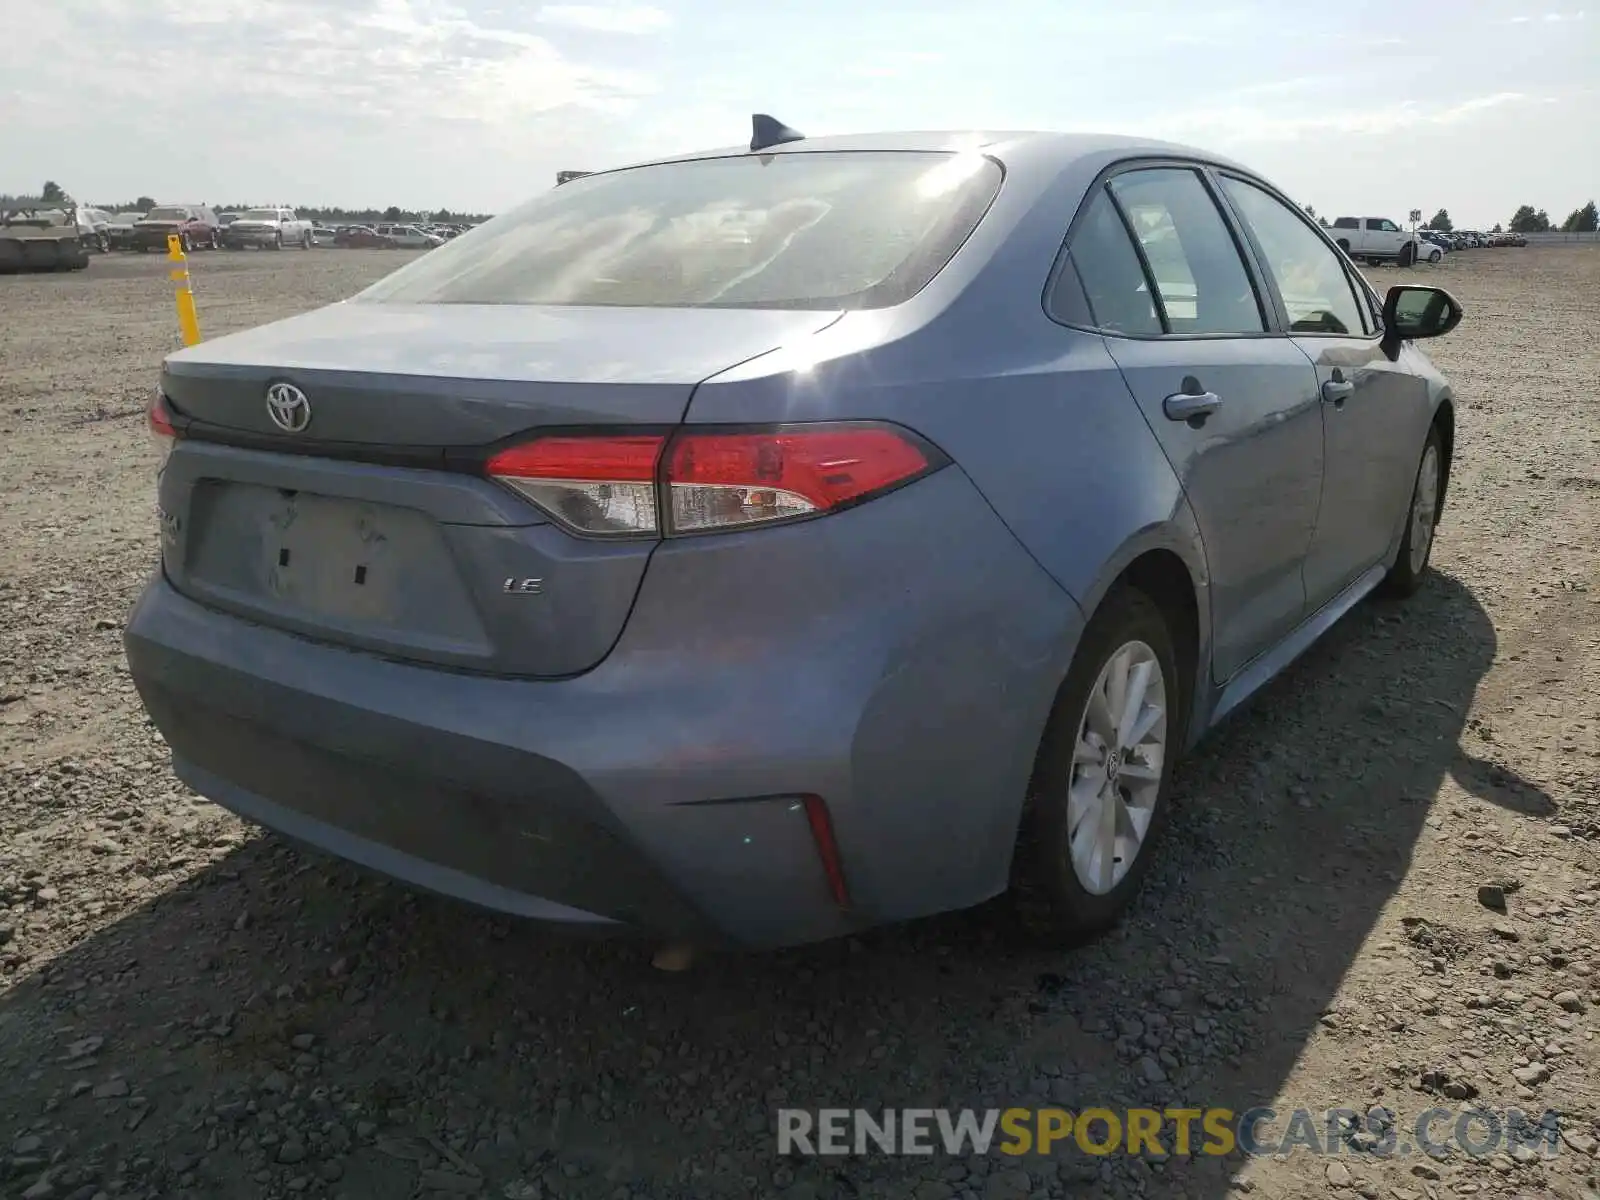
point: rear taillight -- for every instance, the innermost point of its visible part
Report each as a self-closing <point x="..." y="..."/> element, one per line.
<point x="159" y="419"/>
<point x="600" y="485"/>
<point x="703" y="481"/>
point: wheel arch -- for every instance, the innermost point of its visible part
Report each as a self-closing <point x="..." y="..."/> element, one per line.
<point x="1444" y="420"/>
<point x="1168" y="564"/>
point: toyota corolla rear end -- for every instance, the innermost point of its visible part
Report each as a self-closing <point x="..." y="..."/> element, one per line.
<point x="454" y="586"/>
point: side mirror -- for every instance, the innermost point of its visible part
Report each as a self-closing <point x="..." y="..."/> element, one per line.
<point x="1411" y="312"/>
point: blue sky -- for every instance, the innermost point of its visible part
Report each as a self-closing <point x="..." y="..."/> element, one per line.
<point x="1351" y="107"/>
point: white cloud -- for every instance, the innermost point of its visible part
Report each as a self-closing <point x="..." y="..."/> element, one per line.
<point x="607" y="18"/>
<point x="392" y="59"/>
<point x="1244" y="124"/>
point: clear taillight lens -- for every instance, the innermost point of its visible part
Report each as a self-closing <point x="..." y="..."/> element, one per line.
<point x="595" y="485"/>
<point x="711" y="480"/>
<point x="158" y="418"/>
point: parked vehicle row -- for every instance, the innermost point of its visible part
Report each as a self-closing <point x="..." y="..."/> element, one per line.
<point x="392" y="236"/>
<point x="199" y="228"/>
<point x="1469" y="239"/>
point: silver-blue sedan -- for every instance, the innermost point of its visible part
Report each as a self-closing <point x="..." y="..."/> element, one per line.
<point x="766" y="543"/>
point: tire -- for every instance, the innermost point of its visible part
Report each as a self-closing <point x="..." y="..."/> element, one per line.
<point x="1343" y="244"/>
<point x="185" y="243"/>
<point x="1436" y="256"/>
<point x="1049" y="892"/>
<point x="1408" y="254"/>
<point x="1422" y="521"/>
<point x="277" y="241"/>
<point x="306" y="240"/>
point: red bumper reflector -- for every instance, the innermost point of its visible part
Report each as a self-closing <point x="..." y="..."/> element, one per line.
<point x="827" y="848"/>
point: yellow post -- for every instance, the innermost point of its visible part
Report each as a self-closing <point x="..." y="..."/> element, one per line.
<point x="188" y="319"/>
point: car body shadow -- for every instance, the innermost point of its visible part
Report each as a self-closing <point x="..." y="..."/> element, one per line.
<point x="422" y="1023"/>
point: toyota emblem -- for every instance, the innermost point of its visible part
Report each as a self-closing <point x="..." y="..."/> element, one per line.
<point x="288" y="407"/>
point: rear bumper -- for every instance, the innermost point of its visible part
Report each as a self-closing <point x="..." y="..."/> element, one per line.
<point x="659" y="792"/>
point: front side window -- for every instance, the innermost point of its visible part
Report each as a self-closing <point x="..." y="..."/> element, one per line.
<point x="1199" y="275"/>
<point x="1310" y="277"/>
<point x="799" y="230"/>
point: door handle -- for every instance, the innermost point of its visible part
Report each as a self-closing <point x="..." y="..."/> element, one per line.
<point x="1194" y="406"/>
<point x="1337" y="391"/>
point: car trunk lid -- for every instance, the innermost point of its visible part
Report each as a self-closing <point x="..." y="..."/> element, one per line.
<point x="373" y="526"/>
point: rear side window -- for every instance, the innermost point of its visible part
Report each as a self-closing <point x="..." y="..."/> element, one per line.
<point x="800" y="230"/>
<point x="1108" y="267"/>
<point x="1309" y="273"/>
<point x="1199" y="275"/>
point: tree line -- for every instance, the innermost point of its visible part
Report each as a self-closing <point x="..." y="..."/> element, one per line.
<point x="52" y="195"/>
<point x="1527" y="219"/>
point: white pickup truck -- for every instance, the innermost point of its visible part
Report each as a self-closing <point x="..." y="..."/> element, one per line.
<point x="1375" y="240"/>
<point x="267" y="229"/>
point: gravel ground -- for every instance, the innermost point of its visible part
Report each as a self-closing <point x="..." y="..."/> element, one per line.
<point x="191" y="1008"/>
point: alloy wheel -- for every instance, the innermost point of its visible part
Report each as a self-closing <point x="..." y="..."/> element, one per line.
<point x="1424" y="508"/>
<point x="1117" y="764"/>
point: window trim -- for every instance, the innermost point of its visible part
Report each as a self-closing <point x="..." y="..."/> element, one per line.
<point x="1156" y="298"/>
<point x="1271" y="317"/>
<point x="1353" y="282"/>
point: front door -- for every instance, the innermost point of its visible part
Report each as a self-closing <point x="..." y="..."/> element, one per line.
<point x="1234" y="407"/>
<point x="1374" y="412"/>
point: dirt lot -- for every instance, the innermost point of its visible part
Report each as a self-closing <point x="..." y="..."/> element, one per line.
<point x="190" y="1008"/>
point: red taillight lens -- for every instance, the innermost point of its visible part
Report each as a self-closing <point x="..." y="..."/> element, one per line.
<point x="600" y="485"/>
<point x="712" y="480"/>
<point x="159" y="419"/>
<point x="718" y="480"/>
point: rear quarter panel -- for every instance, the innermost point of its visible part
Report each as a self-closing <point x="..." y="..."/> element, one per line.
<point x="1036" y="414"/>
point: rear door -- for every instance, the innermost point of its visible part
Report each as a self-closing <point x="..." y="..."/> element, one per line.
<point x="1375" y="412"/>
<point x="1233" y="404"/>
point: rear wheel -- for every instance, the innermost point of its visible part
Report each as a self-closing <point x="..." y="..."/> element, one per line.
<point x="1097" y="801"/>
<point x="1422" y="517"/>
<point x="277" y="241"/>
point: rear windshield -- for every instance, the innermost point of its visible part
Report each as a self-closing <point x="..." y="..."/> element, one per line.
<point x="167" y="214"/>
<point x="806" y="230"/>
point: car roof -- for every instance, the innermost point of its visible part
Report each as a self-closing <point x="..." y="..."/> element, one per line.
<point x="1043" y="147"/>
